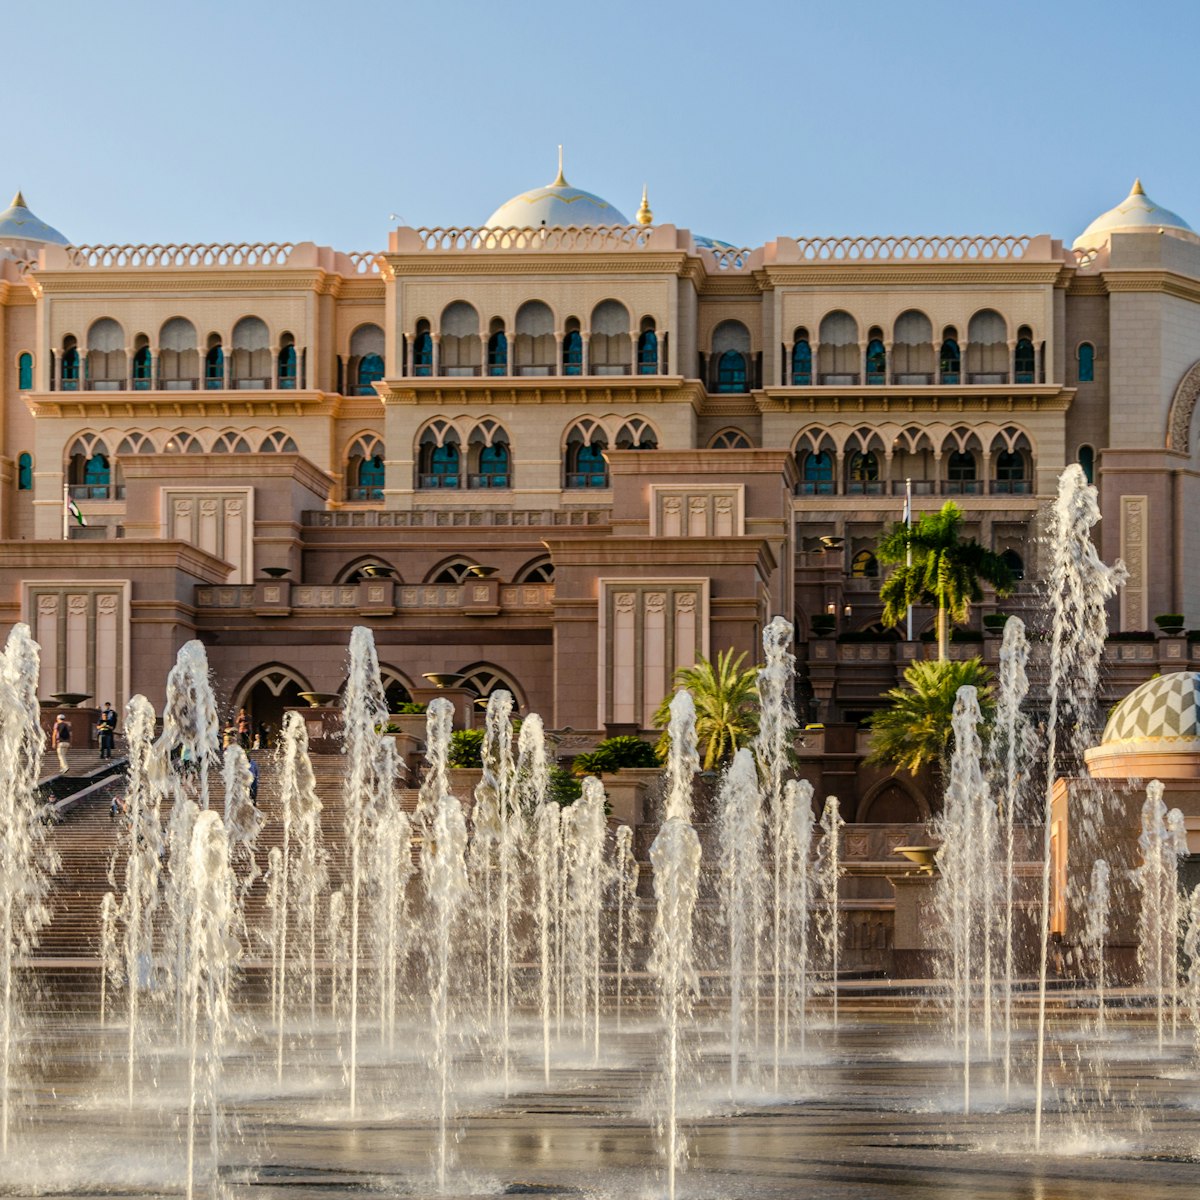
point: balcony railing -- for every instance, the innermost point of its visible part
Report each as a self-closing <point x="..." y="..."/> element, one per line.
<point x="482" y="482"/>
<point x="104" y="385"/>
<point x="920" y="487"/>
<point x="988" y="377"/>
<point x="816" y="487"/>
<point x="1012" y="487"/>
<point x="364" y="493"/>
<point x="576" y="480"/>
<point x="840" y="379"/>
<point x="434" y="482"/>
<point x="97" y="491"/>
<point x="962" y="487"/>
<point x="866" y="487"/>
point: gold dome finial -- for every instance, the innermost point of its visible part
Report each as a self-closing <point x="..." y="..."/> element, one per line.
<point x="561" y="180"/>
<point x="1137" y="188"/>
<point x="644" y="215"/>
<point x="18" y="201"/>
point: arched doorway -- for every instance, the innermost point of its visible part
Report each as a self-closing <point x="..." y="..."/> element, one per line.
<point x="891" y="803"/>
<point x="265" y="695"/>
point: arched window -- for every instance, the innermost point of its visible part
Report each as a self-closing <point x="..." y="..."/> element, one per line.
<point x="731" y="372"/>
<point x="730" y="439"/>
<point x="1087" y="460"/>
<point x="24" y="472"/>
<point x="251" y="354"/>
<point x="1087" y="362"/>
<point x="648" y="352"/>
<point x="366" y="360"/>
<point x="573" y="352"/>
<point x="987" y="348"/>
<point x="1010" y="473"/>
<point x="1024" y="359"/>
<point x="876" y="362"/>
<point x="950" y="362"/>
<point x="497" y="363"/>
<point x="141" y="368"/>
<point x="912" y="348"/>
<point x="864" y="565"/>
<point x="960" y="473"/>
<point x="539" y="571"/>
<point x="106" y="356"/>
<point x="442" y="464"/>
<point x="586" y="466"/>
<point x="839" y="352"/>
<point x="493" y="467"/>
<point x="801" y="360"/>
<point x="422" y="350"/>
<point x="452" y="572"/>
<point x="816" y="474"/>
<point x="214" y="367"/>
<point x="25" y="372"/>
<point x="862" y="473"/>
<point x="731" y="354"/>
<point x="608" y="346"/>
<point x="70" y="365"/>
<point x="365" y="469"/>
<point x="1014" y="563"/>
<point x="533" y="349"/>
<point x="458" y="349"/>
<point x="287" y="363"/>
<point x="97" y="476"/>
<point x="179" y="363"/>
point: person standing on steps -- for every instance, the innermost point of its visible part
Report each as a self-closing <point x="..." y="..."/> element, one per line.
<point x="107" y="730"/>
<point x="243" y="729"/>
<point x="60" y="739"/>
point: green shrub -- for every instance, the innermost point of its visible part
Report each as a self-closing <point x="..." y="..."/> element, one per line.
<point x="564" y="787"/>
<point x="466" y="748"/>
<point x="410" y="709"/>
<point x="614" y="753"/>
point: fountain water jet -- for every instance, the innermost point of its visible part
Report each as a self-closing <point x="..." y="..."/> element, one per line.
<point x="675" y="856"/>
<point x="828" y="873"/>
<point x="1095" y="937"/>
<point x="798" y="824"/>
<point x="625" y="885"/>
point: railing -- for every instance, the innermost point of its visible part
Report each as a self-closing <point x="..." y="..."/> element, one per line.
<point x="1012" y="487"/>
<point x="866" y="487"/>
<point x="364" y="493"/>
<point x="852" y="249"/>
<point x="483" y="482"/>
<point x="578" y="479"/>
<point x="230" y="254"/>
<point x="104" y="385"/>
<point x="365" y="262"/>
<point x="920" y="487"/>
<point x="518" y="238"/>
<point x="404" y="596"/>
<point x="962" y="487"/>
<point x="816" y="487"/>
<point x="839" y="379"/>
<point x="908" y="378"/>
<point x="430" y="518"/>
<point x="437" y="482"/>
<point x="988" y="377"/>
<point x="97" y="491"/>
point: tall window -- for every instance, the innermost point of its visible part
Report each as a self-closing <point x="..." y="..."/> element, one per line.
<point x="70" y="366"/>
<point x="25" y="372"/>
<point x="1010" y="473"/>
<point x="493" y="467"/>
<point x="287" y="365"/>
<point x="573" y="353"/>
<point x="214" y="367"/>
<point x="498" y="353"/>
<point x="371" y="477"/>
<point x="648" y="353"/>
<point x="96" y="474"/>
<point x="1024" y="360"/>
<point x="876" y="362"/>
<point x="802" y="363"/>
<point x="1087" y="460"/>
<point x="370" y="368"/>
<point x="864" y="565"/>
<point x="731" y="372"/>
<point x="960" y="472"/>
<point x="25" y="472"/>
<point x="950" y="362"/>
<point x="1087" y="362"/>
<point x="586" y="466"/>
<point x="817" y="474"/>
<point x="1014" y="563"/>
<point x="863" y="472"/>
<point x="422" y="350"/>
<point x="141" y="369"/>
<point x="443" y="467"/>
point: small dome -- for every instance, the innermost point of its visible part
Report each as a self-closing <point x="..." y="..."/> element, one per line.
<point x="1166" y="709"/>
<point x="1137" y="213"/>
<point x="18" y="224"/>
<point x="556" y="204"/>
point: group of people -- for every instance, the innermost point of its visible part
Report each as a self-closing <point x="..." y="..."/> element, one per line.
<point x="106" y="735"/>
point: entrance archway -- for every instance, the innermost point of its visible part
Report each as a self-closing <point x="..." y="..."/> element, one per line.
<point x="265" y="694"/>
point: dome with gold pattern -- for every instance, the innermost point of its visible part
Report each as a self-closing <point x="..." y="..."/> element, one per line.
<point x="18" y="224"/>
<point x="1137" y="213"/>
<point x="557" y="203"/>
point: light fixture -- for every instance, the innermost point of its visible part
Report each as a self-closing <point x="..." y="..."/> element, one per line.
<point x="848" y="611"/>
<point x="831" y="609"/>
<point x="831" y="541"/>
<point x="481" y="572"/>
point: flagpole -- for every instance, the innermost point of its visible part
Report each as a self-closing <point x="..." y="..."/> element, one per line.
<point x="908" y="555"/>
<point x="66" y="516"/>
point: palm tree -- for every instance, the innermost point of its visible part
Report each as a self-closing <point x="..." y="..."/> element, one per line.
<point x="726" y="698"/>
<point x="945" y="570"/>
<point x="914" y="730"/>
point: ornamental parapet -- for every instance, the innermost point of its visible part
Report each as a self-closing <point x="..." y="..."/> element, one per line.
<point x="436" y="518"/>
<point x="380" y="596"/>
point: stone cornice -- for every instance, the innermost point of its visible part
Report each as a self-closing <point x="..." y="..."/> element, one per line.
<point x="14" y="295"/>
<point x="936" y="398"/>
<point x="581" y="265"/>
<point x="117" y="281"/>
<point x="184" y="469"/>
<point x="122" y="557"/>
<point x="1167" y="282"/>
<point x="224" y="404"/>
<point x="632" y="553"/>
<point x="544" y="389"/>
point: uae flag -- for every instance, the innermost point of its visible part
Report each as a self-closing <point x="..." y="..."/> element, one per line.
<point x="73" y="511"/>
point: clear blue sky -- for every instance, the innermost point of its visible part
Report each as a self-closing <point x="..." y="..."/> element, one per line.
<point x="136" y="121"/>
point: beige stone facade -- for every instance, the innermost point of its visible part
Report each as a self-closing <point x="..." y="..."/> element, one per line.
<point x="656" y="441"/>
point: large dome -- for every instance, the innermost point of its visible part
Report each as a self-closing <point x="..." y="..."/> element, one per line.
<point x="18" y="224"/>
<point x="1154" y="732"/>
<point x="555" y="204"/>
<point x="1137" y="213"/>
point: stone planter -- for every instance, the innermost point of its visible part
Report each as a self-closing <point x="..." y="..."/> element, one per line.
<point x="629" y="790"/>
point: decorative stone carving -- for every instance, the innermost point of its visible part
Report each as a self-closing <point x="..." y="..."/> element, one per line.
<point x="1183" y="405"/>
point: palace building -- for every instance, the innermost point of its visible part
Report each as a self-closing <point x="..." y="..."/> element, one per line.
<point x="565" y="453"/>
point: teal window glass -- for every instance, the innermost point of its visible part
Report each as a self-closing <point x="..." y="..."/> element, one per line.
<point x="25" y="472"/>
<point x="573" y="353"/>
<point x="731" y="372"/>
<point x="25" y="372"/>
<point x="370" y="368"/>
<point x="1087" y="363"/>
<point x="801" y="364"/>
<point x="648" y="353"/>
